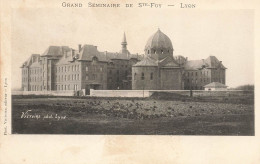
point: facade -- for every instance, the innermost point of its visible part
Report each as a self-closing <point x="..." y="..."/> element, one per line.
<point x="160" y="70"/>
<point x="63" y="68"/>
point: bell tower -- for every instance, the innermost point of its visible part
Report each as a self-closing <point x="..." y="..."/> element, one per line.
<point x="124" y="45"/>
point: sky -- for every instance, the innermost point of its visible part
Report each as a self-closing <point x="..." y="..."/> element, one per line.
<point x="197" y="34"/>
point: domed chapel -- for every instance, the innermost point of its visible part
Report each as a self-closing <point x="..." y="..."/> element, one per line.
<point x="158" y="70"/>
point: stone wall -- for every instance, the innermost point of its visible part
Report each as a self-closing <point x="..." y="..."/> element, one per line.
<point x="120" y="93"/>
<point x="52" y="93"/>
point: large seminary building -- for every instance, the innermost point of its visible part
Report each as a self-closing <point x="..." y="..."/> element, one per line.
<point x="64" y="68"/>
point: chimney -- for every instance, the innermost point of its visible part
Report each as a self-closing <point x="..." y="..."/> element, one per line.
<point x="73" y="52"/>
<point x="79" y="47"/>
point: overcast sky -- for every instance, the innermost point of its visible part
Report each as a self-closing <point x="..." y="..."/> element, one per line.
<point x="226" y="34"/>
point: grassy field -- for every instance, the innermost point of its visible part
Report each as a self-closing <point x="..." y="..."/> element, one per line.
<point x="178" y="116"/>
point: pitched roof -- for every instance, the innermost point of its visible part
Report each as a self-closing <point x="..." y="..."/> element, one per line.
<point x="194" y="64"/>
<point x="213" y="62"/>
<point x="89" y="51"/>
<point x="33" y="58"/>
<point x="168" y="62"/>
<point x="210" y="62"/>
<point x="147" y="61"/>
<point x="215" y="85"/>
<point x="55" y="50"/>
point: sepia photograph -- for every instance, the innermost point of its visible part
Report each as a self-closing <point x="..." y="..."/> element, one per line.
<point x="169" y="73"/>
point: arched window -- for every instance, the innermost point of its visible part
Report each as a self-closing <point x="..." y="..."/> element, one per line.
<point x="142" y="77"/>
<point x="162" y="51"/>
<point x="151" y="76"/>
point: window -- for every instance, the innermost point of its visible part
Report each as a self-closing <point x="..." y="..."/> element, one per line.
<point x="86" y="77"/>
<point x="151" y="76"/>
<point x="101" y="69"/>
<point x="148" y="51"/>
<point x="162" y="51"/>
<point x="135" y="76"/>
<point x="86" y="68"/>
<point x="142" y="77"/>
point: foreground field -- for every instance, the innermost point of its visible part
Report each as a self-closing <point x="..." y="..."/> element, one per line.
<point x="130" y="116"/>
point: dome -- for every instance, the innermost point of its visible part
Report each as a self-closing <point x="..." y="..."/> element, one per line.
<point x="159" y="40"/>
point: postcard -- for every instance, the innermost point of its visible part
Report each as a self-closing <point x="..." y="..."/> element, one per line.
<point x="129" y="81"/>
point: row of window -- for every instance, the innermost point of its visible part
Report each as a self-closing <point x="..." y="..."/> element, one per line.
<point x="36" y="87"/>
<point x="154" y="51"/>
<point x="196" y="73"/>
<point x="74" y="87"/>
<point x="32" y="79"/>
<point x="67" y="68"/>
<point x="32" y="71"/>
<point x="94" y="68"/>
<point x="203" y="73"/>
<point x="67" y="78"/>
<point x="143" y="76"/>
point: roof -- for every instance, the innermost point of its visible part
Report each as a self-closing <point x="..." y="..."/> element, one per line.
<point x="213" y="62"/>
<point x="210" y="62"/>
<point x="55" y="50"/>
<point x="159" y="40"/>
<point x="215" y="85"/>
<point x="168" y="62"/>
<point x="89" y="51"/>
<point x="147" y="61"/>
<point x="33" y="58"/>
<point x="68" y="57"/>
